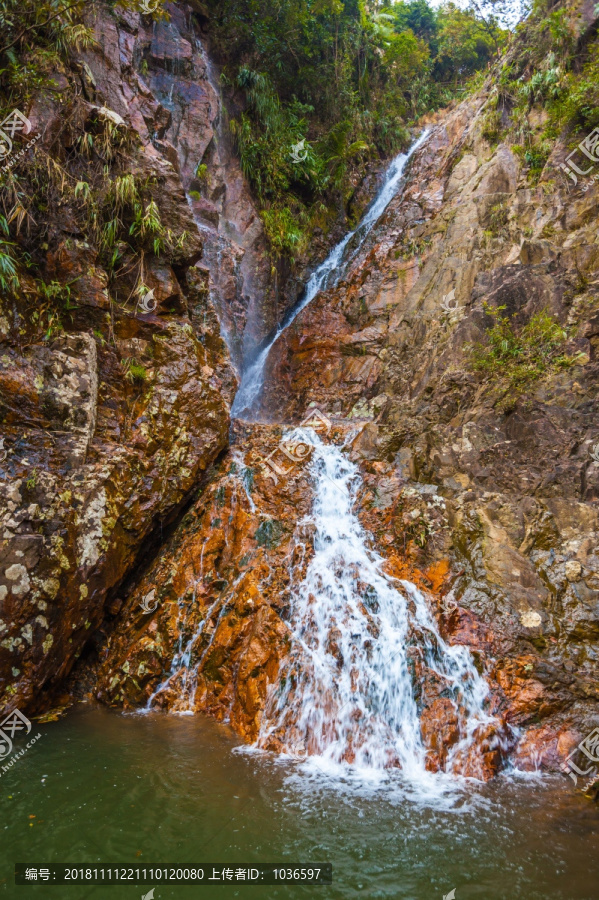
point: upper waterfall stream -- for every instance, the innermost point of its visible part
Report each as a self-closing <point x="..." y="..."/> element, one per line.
<point x="327" y="275"/>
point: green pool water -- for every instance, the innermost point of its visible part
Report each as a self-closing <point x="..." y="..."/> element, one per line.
<point x="139" y="790"/>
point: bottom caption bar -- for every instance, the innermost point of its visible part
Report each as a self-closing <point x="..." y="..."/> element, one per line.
<point x="205" y="873"/>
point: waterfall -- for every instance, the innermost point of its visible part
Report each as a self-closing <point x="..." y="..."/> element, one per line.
<point x="347" y="692"/>
<point x="327" y="275"/>
<point x="183" y="676"/>
<point x="369" y="681"/>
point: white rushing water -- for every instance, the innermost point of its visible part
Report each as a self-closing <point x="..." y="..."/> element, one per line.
<point x="327" y="275"/>
<point x="365" y="647"/>
<point x="348" y="690"/>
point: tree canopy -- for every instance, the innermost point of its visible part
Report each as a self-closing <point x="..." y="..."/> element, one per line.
<point x="332" y="73"/>
<point x="345" y="77"/>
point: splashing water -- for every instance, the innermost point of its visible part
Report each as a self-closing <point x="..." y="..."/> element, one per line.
<point x="349" y="691"/>
<point x="194" y="640"/>
<point x="328" y="274"/>
<point x="184" y="669"/>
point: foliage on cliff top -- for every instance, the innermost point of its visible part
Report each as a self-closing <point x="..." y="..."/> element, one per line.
<point x="36" y="39"/>
<point x="342" y="77"/>
<point x="546" y="85"/>
<point x="84" y="172"/>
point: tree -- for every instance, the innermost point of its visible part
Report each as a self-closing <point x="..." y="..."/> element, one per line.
<point x="506" y="13"/>
<point x="420" y="18"/>
<point x="466" y="44"/>
<point x="407" y="57"/>
<point x="338" y="151"/>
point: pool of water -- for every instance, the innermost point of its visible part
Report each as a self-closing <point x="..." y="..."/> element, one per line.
<point x="100" y="786"/>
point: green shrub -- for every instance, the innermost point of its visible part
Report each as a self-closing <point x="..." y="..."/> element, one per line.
<point x="491" y="126"/>
<point x="578" y="103"/>
<point x="284" y="231"/>
<point x="135" y="373"/>
<point x="498" y="218"/>
<point x="534" y="158"/>
<point x="513" y="360"/>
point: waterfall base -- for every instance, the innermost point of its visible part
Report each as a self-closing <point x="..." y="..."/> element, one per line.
<point x="279" y="614"/>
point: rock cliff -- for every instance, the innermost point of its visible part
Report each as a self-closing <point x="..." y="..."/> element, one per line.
<point x="480" y="479"/>
<point x="485" y="499"/>
<point x="518" y="473"/>
<point x="113" y="410"/>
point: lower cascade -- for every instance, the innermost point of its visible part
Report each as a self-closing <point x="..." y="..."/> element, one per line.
<point x="367" y="662"/>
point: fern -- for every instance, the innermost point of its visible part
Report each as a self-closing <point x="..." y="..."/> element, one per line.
<point x="9" y="278"/>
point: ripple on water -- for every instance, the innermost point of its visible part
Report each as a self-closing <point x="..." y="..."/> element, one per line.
<point x="160" y="788"/>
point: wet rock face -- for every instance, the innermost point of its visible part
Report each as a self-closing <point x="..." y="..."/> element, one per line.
<point x="105" y="431"/>
<point x="220" y="596"/>
<point x="388" y="348"/>
<point x="159" y="78"/>
<point x="91" y="466"/>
